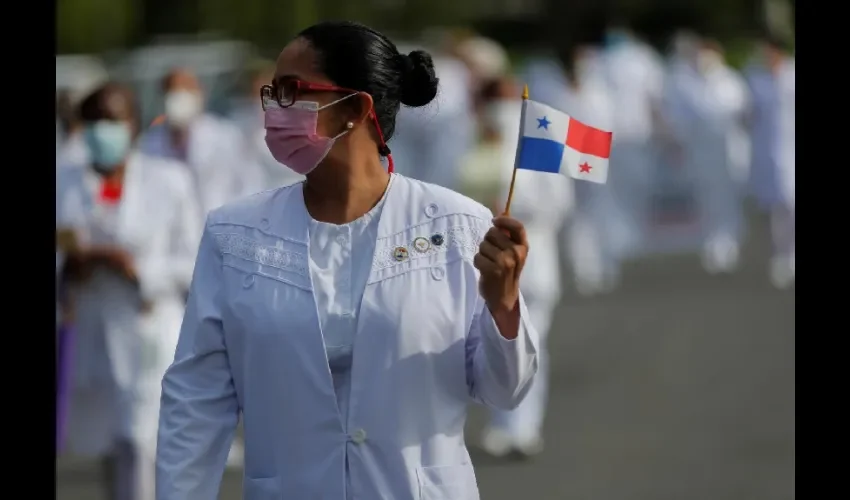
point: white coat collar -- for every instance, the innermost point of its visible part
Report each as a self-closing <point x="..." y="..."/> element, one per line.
<point x="402" y="209"/>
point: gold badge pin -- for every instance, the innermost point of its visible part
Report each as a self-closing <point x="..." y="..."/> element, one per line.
<point x="400" y="253"/>
<point x="421" y="244"/>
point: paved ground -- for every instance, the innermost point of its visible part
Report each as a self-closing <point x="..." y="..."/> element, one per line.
<point x="678" y="386"/>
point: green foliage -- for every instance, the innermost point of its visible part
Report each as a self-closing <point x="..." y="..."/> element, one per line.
<point x="99" y="25"/>
<point x="84" y="26"/>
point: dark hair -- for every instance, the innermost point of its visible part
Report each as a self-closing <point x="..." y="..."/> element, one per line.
<point x="776" y="42"/>
<point x="66" y="110"/>
<point x="94" y="105"/>
<point x="357" y="57"/>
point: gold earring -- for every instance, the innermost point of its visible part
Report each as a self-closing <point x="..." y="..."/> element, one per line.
<point x="349" y="125"/>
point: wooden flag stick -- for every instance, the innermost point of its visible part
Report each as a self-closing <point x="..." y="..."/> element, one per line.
<point x="518" y="146"/>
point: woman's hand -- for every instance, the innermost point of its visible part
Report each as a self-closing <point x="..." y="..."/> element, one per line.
<point x="122" y="261"/>
<point x="501" y="257"/>
<point x="116" y="258"/>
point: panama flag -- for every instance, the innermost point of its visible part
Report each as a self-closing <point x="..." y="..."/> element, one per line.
<point x="552" y="141"/>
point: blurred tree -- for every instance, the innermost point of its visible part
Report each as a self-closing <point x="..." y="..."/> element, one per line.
<point x="95" y="25"/>
<point x="655" y="19"/>
<point x="84" y="26"/>
<point x="170" y="17"/>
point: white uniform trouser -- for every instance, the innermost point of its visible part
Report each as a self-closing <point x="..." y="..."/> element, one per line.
<point x="527" y="419"/>
<point x="717" y="194"/>
<point x="595" y="234"/>
<point x="623" y="201"/>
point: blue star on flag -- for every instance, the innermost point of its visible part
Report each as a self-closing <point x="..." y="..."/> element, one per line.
<point x="543" y="123"/>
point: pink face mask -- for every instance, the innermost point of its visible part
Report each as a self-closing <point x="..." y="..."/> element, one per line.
<point x="292" y="138"/>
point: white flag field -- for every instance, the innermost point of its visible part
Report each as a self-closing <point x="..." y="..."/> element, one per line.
<point x="552" y="141"/>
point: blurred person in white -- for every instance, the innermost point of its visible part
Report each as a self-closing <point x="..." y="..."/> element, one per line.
<point x="771" y="78"/>
<point x="128" y="226"/>
<point x="705" y="101"/>
<point x="486" y="60"/>
<point x="489" y="85"/>
<point x="635" y="76"/>
<point x="70" y="145"/>
<point x="433" y="140"/>
<point x="211" y="146"/>
<point x="540" y="202"/>
<point x="574" y="81"/>
<point x="248" y="116"/>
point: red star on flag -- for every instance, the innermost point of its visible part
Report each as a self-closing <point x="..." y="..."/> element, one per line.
<point x="584" y="168"/>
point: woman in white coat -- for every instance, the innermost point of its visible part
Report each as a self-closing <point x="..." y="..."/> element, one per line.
<point x="349" y="318"/>
<point x="127" y="226"/>
<point x="704" y="101"/>
<point x="212" y="148"/>
<point x="520" y="429"/>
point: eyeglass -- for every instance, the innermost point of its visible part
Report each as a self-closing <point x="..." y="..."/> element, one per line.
<point x="286" y="92"/>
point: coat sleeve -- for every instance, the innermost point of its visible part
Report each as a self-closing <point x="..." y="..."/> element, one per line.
<point x="199" y="408"/>
<point x="171" y="268"/>
<point x="499" y="372"/>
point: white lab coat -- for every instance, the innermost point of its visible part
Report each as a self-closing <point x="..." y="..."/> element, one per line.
<point x="72" y="151"/>
<point x="635" y="76"/>
<point x="425" y="347"/>
<point x="120" y="352"/>
<point x="541" y="276"/>
<point x="773" y="129"/>
<point x="705" y="110"/>
<point x="217" y="158"/>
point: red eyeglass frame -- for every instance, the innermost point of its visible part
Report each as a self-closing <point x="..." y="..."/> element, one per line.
<point x="301" y="86"/>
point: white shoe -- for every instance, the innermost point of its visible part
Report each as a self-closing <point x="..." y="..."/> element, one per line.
<point x="720" y="256"/>
<point x="589" y="287"/>
<point x="533" y="445"/>
<point x="236" y="457"/>
<point x="496" y="442"/>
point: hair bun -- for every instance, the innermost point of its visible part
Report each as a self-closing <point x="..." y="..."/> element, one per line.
<point x="419" y="82"/>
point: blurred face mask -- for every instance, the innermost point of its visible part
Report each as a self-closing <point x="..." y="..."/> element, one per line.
<point x="182" y="106"/>
<point x="708" y="60"/>
<point x="108" y="143"/>
<point x="615" y="38"/>
<point x="292" y="137"/>
<point x="503" y="116"/>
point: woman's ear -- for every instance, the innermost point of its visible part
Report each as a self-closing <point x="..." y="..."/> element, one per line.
<point x="364" y="107"/>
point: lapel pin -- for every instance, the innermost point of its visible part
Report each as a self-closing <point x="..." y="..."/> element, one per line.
<point x="400" y="253"/>
<point x="421" y="244"/>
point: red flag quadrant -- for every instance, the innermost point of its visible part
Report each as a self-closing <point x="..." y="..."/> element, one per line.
<point x="588" y="140"/>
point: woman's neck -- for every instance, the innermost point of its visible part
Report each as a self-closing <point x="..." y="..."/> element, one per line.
<point x="340" y="193"/>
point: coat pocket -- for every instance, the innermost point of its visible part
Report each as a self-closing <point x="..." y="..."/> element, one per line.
<point x="261" y="488"/>
<point x="452" y="482"/>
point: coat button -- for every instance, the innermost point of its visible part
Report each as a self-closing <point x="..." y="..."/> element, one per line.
<point x="359" y="436"/>
<point x="438" y="273"/>
<point x="264" y="224"/>
<point x="431" y="210"/>
<point x="248" y="282"/>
